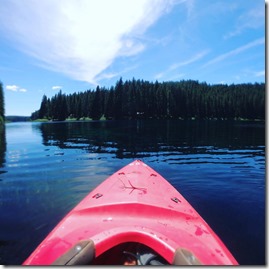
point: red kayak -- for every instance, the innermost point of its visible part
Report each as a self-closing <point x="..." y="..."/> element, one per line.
<point x="133" y="217"/>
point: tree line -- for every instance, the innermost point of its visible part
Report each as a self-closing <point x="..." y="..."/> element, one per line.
<point x="2" y="127"/>
<point x="134" y="99"/>
<point x="2" y="105"/>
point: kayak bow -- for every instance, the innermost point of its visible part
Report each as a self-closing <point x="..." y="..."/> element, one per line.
<point x="135" y="208"/>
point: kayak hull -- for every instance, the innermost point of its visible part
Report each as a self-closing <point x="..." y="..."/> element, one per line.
<point x="135" y="204"/>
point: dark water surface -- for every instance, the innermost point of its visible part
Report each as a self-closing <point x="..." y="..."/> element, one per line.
<point x="47" y="168"/>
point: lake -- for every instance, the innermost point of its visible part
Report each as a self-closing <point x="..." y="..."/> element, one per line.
<point x="218" y="166"/>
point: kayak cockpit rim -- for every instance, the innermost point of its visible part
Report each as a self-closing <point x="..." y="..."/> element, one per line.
<point x="84" y="253"/>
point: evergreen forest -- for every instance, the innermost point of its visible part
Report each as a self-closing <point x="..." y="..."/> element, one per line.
<point x="133" y="99"/>
<point x="2" y="105"/>
<point x="2" y="126"/>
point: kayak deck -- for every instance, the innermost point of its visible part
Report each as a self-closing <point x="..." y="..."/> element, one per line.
<point x="134" y="208"/>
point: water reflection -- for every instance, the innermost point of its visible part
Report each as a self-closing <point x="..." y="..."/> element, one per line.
<point x="136" y="139"/>
<point x="2" y="145"/>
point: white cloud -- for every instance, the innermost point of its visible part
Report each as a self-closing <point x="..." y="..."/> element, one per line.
<point x="56" y="88"/>
<point x="15" y="88"/>
<point x="80" y="38"/>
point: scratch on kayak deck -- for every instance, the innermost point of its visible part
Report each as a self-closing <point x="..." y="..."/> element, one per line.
<point x="132" y="187"/>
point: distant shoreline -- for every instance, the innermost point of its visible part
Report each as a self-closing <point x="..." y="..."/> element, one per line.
<point x="10" y="119"/>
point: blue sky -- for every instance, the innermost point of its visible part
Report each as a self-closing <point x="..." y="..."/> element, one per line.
<point x="75" y="45"/>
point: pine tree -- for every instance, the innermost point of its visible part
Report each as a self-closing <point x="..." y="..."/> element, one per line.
<point x="96" y="111"/>
<point x="43" y="111"/>
<point x="118" y="112"/>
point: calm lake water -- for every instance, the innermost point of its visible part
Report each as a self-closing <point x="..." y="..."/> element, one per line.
<point x="47" y="168"/>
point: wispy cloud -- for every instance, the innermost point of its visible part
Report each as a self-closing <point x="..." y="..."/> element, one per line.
<point x="236" y="51"/>
<point x="176" y="77"/>
<point x="80" y="38"/>
<point x="175" y="66"/>
<point x="15" y="88"/>
<point x="108" y="74"/>
<point x="252" y="19"/>
<point x="259" y="73"/>
<point x="195" y="58"/>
